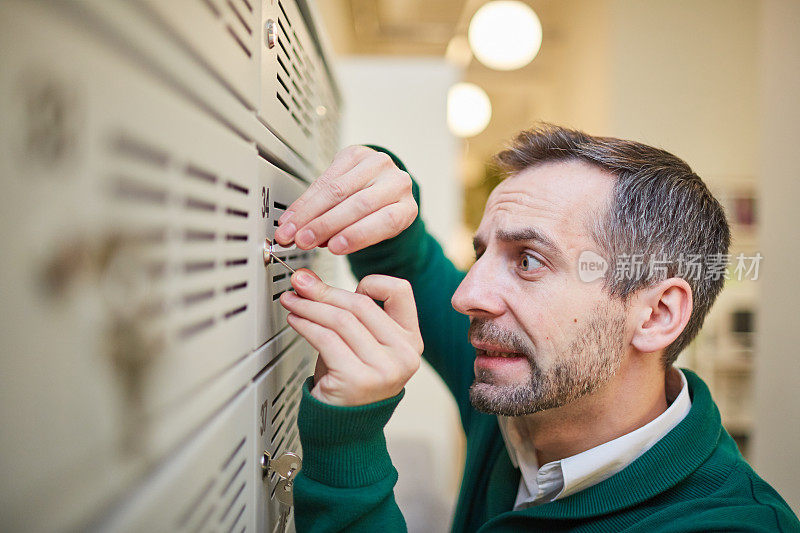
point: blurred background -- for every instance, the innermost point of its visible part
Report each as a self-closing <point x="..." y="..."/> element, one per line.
<point x="444" y="84"/>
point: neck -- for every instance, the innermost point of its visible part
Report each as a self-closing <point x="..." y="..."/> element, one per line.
<point x="633" y="398"/>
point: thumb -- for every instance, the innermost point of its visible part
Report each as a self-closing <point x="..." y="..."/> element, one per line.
<point x="319" y="370"/>
<point x="397" y="297"/>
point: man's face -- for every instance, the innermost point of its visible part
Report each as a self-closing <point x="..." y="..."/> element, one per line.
<point x="543" y="337"/>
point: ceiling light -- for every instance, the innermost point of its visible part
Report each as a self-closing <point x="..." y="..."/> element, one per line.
<point x="505" y="34"/>
<point x="468" y="109"/>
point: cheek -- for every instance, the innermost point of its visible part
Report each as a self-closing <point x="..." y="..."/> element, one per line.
<point x="550" y="322"/>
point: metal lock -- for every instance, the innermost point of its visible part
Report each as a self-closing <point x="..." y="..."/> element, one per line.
<point x="270" y="34"/>
<point x="286" y="466"/>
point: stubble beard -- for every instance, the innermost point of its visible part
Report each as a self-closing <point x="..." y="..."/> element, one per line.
<point x="590" y="360"/>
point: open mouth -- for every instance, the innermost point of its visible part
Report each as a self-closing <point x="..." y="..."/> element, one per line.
<point x="493" y="353"/>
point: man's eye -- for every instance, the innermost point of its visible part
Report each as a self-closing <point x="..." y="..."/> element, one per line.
<point x="529" y="263"/>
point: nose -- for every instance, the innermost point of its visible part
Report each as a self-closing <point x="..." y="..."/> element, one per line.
<point x="480" y="295"/>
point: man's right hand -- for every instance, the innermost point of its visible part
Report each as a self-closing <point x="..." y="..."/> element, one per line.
<point x="361" y="199"/>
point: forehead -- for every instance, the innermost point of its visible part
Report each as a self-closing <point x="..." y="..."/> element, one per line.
<point x="557" y="197"/>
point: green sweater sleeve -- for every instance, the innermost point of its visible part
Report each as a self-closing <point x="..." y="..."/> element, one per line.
<point x="416" y="256"/>
<point x="347" y="480"/>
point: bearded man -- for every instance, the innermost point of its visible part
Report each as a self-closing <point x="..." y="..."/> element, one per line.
<point x="558" y="344"/>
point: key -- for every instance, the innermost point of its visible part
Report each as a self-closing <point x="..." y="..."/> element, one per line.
<point x="287" y="465"/>
<point x="269" y="255"/>
<point x="284" y="495"/>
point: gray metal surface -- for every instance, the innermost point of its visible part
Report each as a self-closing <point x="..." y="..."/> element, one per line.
<point x="143" y="166"/>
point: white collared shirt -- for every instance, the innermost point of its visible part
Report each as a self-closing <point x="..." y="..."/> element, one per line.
<point x="559" y="479"/>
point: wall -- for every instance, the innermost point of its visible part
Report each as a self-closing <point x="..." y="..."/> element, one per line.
<point x="401" y="104"/>
<point x="778" y="369"/>
<point x="684" y="78"/>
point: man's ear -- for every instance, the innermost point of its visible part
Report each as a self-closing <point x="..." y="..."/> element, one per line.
<point x="661" y="313"/>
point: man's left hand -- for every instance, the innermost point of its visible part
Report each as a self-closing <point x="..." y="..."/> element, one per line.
<point x="366" y="353"/>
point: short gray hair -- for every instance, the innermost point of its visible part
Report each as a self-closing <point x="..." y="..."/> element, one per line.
<point x="659" y="208"/>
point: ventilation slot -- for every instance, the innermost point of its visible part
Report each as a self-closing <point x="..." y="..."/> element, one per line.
<point x="167" y="210"/>
<point x="212" y="7"/>
<point x="277" y="396"/>
<point x="239" y="17"/>
<point x="206" y="517"/>
<point x="199" y="205"/>
<point x="296" y="371"/>
<point x="125" y="188"/>
<point x="282" y="101"/>
<point x="286" y="70"/>
<point x="292" y="445"/>
<point x="277" y="413"/>
<point x="238" y="40"/>
<point x="192" y="235"/>
<point x="276" y="278"/>
<point x="295" y="82"/>
<point x="236" y="287"/>
<point x="280" y="5"/>
<point x="238" y="188"/>
<point x="238" y="517"/>
<point x="234" y="312"/>
<point x="233" y="477"/>
<point x="236" y="450"/>
<point x="236" y="212"/>
<point x="276" y="431"/>
<point x="197" y="504"/>
<point x="131" y="148"/>
<point x="197" y="297"/>
<point x="280" y="80"/>
<point x="195" y="172"/>
<point x="234" y="472"/>
<point x="198" y="266"/>
<point x="236" y="262"/>
<point x="194" y="329"/>
<point x="277" y="295"/>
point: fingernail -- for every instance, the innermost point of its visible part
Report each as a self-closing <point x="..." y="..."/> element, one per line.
<point x="286" y="232"/>
<point x="337" y="245"/>
<point x="305" y="238"/>
<point x="285" y="217"/>
<point x="303" y="280"/>
<point x="288" y="297"/>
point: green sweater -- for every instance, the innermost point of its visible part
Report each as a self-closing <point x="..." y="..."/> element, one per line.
<point x="693" y="479"/>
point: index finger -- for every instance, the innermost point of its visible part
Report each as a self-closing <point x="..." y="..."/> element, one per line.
<point x="381" y="324"/>
<point x="336" y="182"/>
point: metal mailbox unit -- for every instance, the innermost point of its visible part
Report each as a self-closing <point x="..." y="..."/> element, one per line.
<point x="147" y="149"/>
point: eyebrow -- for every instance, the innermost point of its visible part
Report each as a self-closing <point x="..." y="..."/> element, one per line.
<point x="529" y="234"/>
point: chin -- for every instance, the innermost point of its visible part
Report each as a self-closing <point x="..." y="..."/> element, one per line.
<point x="507" y="400"/>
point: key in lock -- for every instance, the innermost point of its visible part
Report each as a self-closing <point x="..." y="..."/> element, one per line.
<point x="286" y="466"/>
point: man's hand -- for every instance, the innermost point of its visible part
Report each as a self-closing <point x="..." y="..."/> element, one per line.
<point x="366" y="353"/>
<point x="361" y="199"/>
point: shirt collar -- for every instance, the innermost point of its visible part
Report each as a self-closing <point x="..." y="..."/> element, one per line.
<point x="559" y="479"/>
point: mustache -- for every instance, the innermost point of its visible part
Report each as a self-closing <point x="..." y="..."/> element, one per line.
<point x="482" y="330"/>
